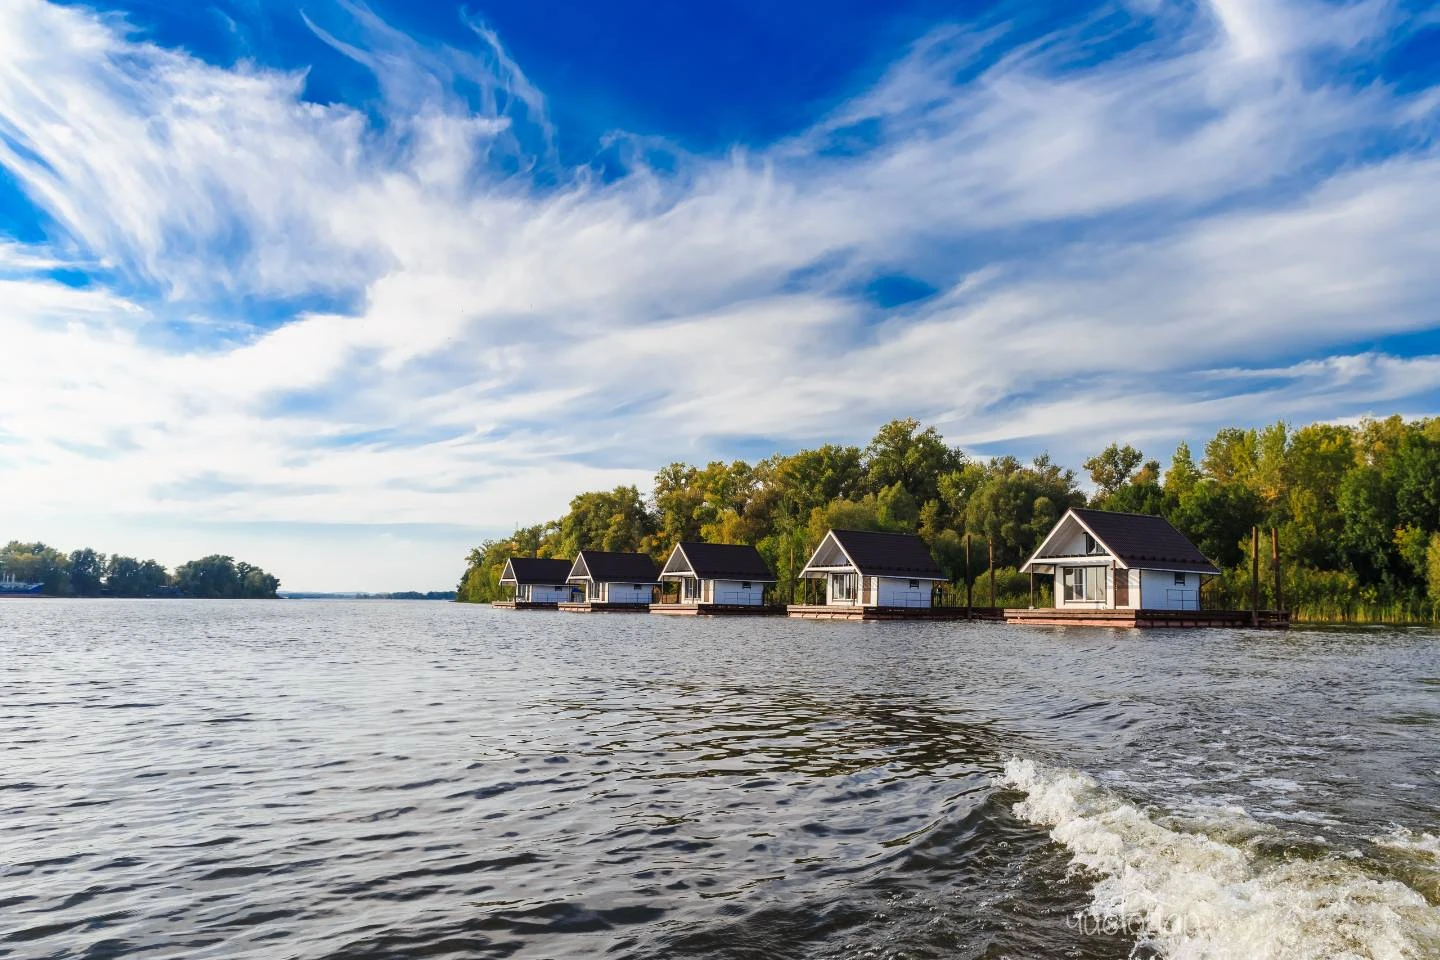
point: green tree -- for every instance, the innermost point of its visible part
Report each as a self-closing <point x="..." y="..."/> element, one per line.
<point x="87" y="572"/>
<point x="901" y="452"/>
<point x="1140" y="496"/>
<point x="1017" y="505"/>
<point x="896" y="509"/>
<point x="1182" y="476"/>
<point x="606" y="520"/>
<point x="153" y="578"/>
<point x="122" y="576"/>
<point x="129" y="577"/>
<point x="1270" y="479"/>
<point x="1432" y="558"/>
<point x="1112" y="468"/>
<point x="218" y="577"/>
<point x="1320" y="457"/>
<point x="1366" y="508"/>
<point x="1230" y="456"/>
<point x="1415" y="467"/>
<point x="815" y="478"/>
<point x="257" y="584"/>
<point x="1412" y="544"/>
<point x="1217" y="517"/>
<point x="37" y="563"/>
<point x="209" y="578"/>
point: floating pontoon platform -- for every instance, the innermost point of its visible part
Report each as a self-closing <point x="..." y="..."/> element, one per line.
<point x="1039" y="617"/>
<point x="716" y="610"/>
<point x="822" y="612"/>
<point x="595" y="606"/>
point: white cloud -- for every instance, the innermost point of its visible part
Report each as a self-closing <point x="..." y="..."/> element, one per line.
<point x="1102" y="236"/>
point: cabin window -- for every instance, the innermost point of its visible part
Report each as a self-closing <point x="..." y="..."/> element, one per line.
<point x="692" y="588"/>
<point x="1179" y="579"/>
<point x="842" y="586"/>
<point x="1092" y="548"/>
<point x="745" y="585"/>
<point x="914" y="584"/>
<point x="594" y="590"/>
<point x="1084" y="584"/>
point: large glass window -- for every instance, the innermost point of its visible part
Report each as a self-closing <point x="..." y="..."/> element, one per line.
<point x="1084" y="584"/>
<point x="842" y="586"/>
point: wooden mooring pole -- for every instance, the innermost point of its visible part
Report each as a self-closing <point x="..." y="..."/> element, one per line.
<point x="969" y="608"/>
<point x="1032" y="589"/>
<point x="991" y="541"/>
<point x="1275" y="562"/>
<point x="1255" y="575"/>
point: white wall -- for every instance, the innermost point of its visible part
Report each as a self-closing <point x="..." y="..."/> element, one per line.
<point x="884" y="592"/>
<point x="897" y="592"/>
<point x="1160" y="591"/>
<point x="734" y="591"/>
<point x="626" y="593"/>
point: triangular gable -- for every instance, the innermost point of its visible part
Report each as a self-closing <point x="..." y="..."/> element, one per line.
<point x="508" y="574"/>
<point x="578" y="569"/>
<point x="678" y="565"/>
<point x="1061" y="526"/>
<point x="828" y="553"/>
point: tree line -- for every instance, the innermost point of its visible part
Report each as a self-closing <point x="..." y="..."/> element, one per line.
<point x="89" y="573"/>
<point x="1356" y="509"/>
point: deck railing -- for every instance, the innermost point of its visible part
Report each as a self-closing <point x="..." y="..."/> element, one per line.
<point x="735" y="598"/>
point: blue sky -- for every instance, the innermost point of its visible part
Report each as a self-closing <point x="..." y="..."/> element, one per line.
<point x="343" y="289"/>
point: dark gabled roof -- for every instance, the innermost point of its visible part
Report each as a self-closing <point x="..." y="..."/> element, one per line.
<point x="888" y="554"/>
<point x="616" y="567"/>
<point x="532" y="570"/>
<point x="1141" y="540"/>
<point x="726" y="561"/>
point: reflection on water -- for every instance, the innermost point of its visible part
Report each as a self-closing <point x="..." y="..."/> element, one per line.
<point x="379" y="779"/>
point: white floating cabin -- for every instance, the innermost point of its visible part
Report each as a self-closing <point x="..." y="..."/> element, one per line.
<point x="863" y="570"/>
<point x="716" y="578"/>
<point x="537" y="583"/>
<point x="612" y="581"/>
<point x="1128" y="570"/>
<point x="1120" y="561"/>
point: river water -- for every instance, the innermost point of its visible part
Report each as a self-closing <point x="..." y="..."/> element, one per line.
<point x="390" y="779"/>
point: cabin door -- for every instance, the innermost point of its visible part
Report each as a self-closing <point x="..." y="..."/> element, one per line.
<point x="1122" y="587"/>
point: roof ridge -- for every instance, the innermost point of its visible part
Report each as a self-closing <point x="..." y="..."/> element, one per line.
<point x="881" y="533"/>
<point x="1119" y="513"/>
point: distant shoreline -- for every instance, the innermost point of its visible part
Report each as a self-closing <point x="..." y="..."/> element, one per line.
<point x="355" y="595"/>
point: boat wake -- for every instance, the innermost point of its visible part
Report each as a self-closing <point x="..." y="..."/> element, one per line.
<point x="1219" y="885"/>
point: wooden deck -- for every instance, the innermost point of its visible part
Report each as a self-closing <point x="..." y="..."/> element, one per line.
<point x="812" y="612"/>
<point x="1162" y="619"/>
<point x="522" y="605"/>
<point x="716" y="610"/>
<point x="594" y="606"/>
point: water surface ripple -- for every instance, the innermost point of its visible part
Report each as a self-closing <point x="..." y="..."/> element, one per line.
<point x="391" y="779"/>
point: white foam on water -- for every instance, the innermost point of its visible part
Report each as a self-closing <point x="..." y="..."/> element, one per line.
<point x="1415" y="857"/>
<point x="1201" y="892"/>
<point x="1423" y="846"/>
